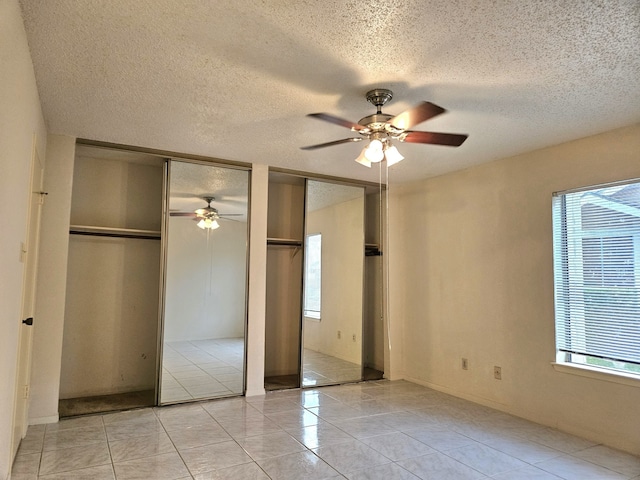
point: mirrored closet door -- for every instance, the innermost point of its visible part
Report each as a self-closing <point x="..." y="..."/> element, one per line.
<point x="203" y="340"/>
<point x="333" y="284"/>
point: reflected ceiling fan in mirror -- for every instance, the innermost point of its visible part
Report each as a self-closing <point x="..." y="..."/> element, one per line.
<point x="380" y="128"/>
<point x="207" y="217"/>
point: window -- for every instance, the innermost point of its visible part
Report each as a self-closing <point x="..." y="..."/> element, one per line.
<point x="312" y="275"/>
<point x="597" y="277"/>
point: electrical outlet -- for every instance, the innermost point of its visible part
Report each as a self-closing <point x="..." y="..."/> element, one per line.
<point x="354" y="337"/>
<point x="339" y="334"/>
<point x="497" y="373"/>
<point x="465" y="364"/>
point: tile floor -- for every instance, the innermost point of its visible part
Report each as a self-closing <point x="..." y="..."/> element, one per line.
<point x="321" y="369"/>
<point x="374" y="430"/>
<point x="201" y="369"/>
<point x="213" y="368"/>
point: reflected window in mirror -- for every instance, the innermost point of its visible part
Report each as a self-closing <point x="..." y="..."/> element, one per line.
<point x="313" y="276"/>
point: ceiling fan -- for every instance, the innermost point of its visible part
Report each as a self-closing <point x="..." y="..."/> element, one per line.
<point x="207" y="217"/>
<point x="380" y="128"/>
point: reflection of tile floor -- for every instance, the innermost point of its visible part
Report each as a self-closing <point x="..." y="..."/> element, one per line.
<point x="389" y="430"/>
<point x="322" y="369"/>
<point x="201" y="369"/>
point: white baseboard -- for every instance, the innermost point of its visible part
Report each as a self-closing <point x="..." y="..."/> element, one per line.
<point x="41" y="420"/>
<point x="255" y="393"/>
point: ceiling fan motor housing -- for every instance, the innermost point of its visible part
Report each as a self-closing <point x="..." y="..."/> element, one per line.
<point x="379" y="97"/>
<point x="374" y="122"/>
<point x="377" y="126"/>
<point x="208" y="211"/>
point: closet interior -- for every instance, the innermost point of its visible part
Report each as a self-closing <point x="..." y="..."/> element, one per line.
<point x="285" y="232"/>
<point x="110" y="333"/>
<point x="373" y="327"/>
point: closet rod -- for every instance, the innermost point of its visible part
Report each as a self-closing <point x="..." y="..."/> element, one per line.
<point x="372" y="250"/>
<point x="284" y="241"/>
<point x="114" y="232"/>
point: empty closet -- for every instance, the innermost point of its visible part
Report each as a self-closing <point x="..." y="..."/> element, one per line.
<point x="111" y="315"/>
<point x="285" y="232"/>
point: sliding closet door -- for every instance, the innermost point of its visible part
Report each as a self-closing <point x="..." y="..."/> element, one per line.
<point x="203" y="347"/>
<point x="333" y="284"/>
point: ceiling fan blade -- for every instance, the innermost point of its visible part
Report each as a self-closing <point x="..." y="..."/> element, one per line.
<point x="330" y="144"/>
<point x="434" y="138"/>
<point x="231" y="214"/>
<point x="337" y="120"/>
<point x="182" y="214"/>
<point x="418" y="114"/>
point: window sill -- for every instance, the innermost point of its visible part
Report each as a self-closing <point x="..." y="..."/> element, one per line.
<point x="597" y="373"/>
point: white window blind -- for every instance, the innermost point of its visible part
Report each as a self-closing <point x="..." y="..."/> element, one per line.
<point x="597" y="276"/>
<point x="313" y="275"/>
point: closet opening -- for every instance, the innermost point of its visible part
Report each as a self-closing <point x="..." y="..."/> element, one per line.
<point x="109" y="349"/>
<point x="324" y="307"/>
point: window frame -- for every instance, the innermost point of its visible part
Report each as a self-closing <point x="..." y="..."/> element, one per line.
<point x="315" y="283"/>
<point x="571" y="272"/>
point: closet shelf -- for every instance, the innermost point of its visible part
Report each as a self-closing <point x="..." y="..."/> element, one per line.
<point x="113" y="232"/>
<point x="284" y="241"/>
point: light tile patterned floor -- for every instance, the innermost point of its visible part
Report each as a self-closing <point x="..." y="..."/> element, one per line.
<point x="213" y="368"/>
<point x="321" y="369"/>
<point x="202" y="369"/>
<point x="375" y="430"/>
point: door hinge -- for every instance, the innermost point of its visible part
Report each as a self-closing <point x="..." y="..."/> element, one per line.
<point x="42" y="195"/>
<point x="25" y="392"/>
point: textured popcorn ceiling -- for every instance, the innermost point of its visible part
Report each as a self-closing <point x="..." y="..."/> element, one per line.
<point x="234" y="80"/>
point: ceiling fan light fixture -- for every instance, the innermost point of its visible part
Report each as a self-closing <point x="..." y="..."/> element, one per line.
<point x="392" y="155"/>
<point x="362" y="159"/>
<point x="208" y="223"/>
<point x="374" y="152"/>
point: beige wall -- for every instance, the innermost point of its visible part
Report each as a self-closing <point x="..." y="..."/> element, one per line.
<point x="472" y="277"/>
<point x="20" y="118"/>
<point x="111" y="316"/>
<point x="52" y="274"/>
